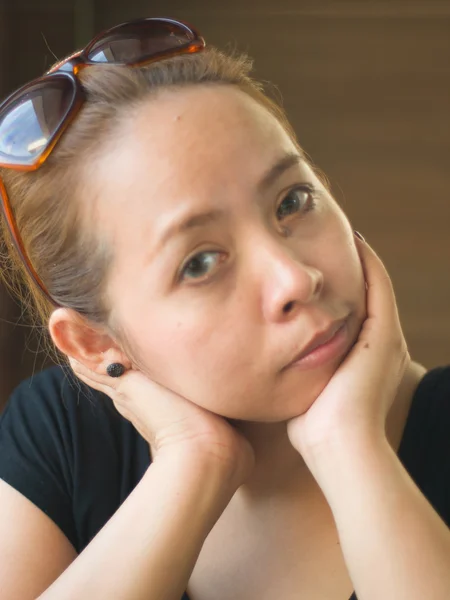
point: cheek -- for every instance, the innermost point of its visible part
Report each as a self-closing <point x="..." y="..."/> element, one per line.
<point x="351" y="280"/>
<point x="191" y="354"/>
<point x="342" y="263"/>
<point x="345" y="267"/>
<point x="213" y="362"/>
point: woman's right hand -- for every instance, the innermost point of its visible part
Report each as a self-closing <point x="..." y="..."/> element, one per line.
<point x="173" y="424"/>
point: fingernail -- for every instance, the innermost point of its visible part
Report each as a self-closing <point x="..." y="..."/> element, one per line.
<point x="358" y="235"/>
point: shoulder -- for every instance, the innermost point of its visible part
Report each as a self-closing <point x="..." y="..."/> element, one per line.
<point x="439" y="378"/>
<point x="425" y="447"/>
<point x="56" y="390"/>
<point x="432" y="397"/>
<point x="51" y="387"/>
<point x="56" y="413"/>
<point x="430" y="408"/>
<point x="48" y="389"/>
<point x="48" y="418"/>
<point x="66" y="448"/>
<point x="52" y="403"/>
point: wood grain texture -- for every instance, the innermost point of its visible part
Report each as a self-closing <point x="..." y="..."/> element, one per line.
<point x="367" y="88"/>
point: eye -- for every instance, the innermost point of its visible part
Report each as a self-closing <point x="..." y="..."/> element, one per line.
<point x="201" y="265"/>
<point x="299" y="199"/>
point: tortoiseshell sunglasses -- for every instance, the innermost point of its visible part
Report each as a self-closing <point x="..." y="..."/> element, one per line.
<point x="33" y="119"/>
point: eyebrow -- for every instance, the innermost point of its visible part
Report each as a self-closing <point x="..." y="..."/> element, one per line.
<point x="287" y="161"/>
<point x="201" y="219"/>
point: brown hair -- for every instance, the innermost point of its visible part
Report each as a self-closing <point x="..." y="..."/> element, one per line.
<point x="71" y="262"/>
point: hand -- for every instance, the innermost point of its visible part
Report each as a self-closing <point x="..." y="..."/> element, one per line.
<point x="171" y="423"/>
<point x="357" y="399"/>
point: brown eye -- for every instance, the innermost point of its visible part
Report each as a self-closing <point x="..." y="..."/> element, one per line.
<point x="297" y="200"/>
<point x="200" y="265"/>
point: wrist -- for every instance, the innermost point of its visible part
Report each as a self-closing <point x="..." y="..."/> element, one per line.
<point x="194" y="467"/>
<point x="344" y="452"/>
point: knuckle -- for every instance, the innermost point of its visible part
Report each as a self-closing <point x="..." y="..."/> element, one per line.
<point x="405" y="357"/>
<point x="400" y="353"/>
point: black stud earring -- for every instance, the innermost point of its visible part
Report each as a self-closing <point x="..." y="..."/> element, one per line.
<point x="115" y="370"/>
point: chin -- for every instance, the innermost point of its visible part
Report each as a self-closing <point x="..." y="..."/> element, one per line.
<point x="302" y="392"/>
<point x="284" y="406"/>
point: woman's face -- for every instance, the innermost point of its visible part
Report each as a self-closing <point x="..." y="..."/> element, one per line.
<point x="230" y="255"/>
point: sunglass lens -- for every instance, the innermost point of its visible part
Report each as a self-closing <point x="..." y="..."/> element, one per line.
<point x="132" y="43"/>
<point x="29" y="122"/>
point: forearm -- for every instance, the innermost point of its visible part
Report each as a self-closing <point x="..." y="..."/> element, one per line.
<point x="395" y="545"/>
<point x="149" y="547"/>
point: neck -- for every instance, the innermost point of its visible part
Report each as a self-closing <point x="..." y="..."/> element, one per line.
<point x="277" y="464"/>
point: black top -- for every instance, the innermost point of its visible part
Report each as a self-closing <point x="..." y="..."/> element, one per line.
<point x="67" y="449"/>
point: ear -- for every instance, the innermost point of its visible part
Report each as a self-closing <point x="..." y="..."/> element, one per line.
<point x="90" y="344"/>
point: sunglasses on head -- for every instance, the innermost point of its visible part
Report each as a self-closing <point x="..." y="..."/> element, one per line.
<point x="34" y="118"/>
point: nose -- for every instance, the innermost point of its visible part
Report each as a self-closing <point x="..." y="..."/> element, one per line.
<point x="287" y="281"/>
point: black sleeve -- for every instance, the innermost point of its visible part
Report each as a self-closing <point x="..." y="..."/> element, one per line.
<point x="425" y="448"/>
<point x="36" y="447"/>
<point x="66" y="448"/>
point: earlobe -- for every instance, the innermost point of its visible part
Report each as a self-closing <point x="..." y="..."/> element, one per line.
<point x="88" y="343"/>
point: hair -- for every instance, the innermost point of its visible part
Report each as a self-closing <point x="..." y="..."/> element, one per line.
<point x="71" y="261"/>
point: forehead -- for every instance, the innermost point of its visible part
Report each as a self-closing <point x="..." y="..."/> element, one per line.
<point x="205" y="121"/>
<point x="192" y="135"/>
<point x="198" y="146"/>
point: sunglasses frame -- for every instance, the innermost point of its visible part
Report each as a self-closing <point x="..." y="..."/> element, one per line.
<point x="68" y="69"/>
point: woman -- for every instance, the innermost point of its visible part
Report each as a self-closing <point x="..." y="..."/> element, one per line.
<point x="249" y="417"/>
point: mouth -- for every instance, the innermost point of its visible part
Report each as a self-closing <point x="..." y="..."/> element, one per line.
<point x="326" y="345"/>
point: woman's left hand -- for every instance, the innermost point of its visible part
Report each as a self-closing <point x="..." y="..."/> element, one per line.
<point x="355" y="403"/>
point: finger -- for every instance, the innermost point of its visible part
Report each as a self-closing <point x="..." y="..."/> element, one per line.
<point x="381" y="303"/>
<point x="139" y="398"/>
<point x="89" y="377"/>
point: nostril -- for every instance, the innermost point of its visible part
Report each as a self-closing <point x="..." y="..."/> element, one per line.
<point x="288" y="307"/>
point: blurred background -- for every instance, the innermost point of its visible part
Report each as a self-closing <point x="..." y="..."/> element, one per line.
<point x="367" y="88"/>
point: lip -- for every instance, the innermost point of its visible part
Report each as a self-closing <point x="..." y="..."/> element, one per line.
<point x="324" y="346"/>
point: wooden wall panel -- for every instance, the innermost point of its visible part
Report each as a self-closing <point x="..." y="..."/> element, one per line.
<point x="367" y="88"/>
